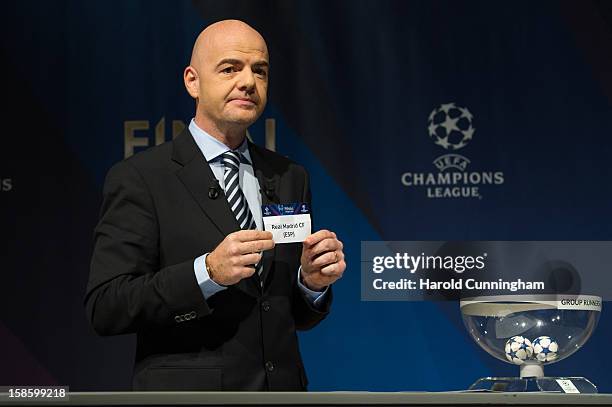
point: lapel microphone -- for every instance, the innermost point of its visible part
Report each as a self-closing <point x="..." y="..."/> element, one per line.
<point x="214" y="189"/>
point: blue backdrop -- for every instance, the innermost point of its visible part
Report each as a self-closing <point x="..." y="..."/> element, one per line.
<point x="353" y="88"/>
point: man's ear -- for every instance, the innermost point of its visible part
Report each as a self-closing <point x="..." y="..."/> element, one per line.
<point x="192" y="81"/>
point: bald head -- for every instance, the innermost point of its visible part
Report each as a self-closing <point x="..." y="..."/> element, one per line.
<point x="224" y="33"/>
<point x="228" y="78"/>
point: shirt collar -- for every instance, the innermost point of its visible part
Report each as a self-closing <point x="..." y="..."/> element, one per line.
<point x="213" y="148"/>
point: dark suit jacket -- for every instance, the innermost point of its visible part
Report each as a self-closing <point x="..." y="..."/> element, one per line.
<point x="156" y="218"/>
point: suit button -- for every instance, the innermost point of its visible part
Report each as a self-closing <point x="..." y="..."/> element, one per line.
<point x="269" y="366"/>
<point x="266" y="306"/>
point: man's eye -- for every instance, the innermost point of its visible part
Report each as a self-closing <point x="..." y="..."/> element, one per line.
<point x="229" y="69"/>
<point x="261" y="72"/>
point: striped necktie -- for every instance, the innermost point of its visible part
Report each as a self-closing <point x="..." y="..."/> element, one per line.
<point x="235" y="197"/>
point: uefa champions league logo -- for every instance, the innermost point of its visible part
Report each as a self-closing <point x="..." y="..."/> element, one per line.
<point x="451" y="126"/>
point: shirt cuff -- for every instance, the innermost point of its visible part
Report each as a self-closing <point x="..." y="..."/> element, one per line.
<point x="315" y="297"/>
<point x="207" y="285"/>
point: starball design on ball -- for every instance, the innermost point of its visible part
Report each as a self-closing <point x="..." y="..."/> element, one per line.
<point x="545" y="349"/>
<point x="518" y="349"/>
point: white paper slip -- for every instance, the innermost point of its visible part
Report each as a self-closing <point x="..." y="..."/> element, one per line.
<point x="289" y="223"/>
<point x="288" y="228"/>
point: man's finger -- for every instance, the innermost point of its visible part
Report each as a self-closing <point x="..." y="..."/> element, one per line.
<point x="334" y="270"/>
<point x="248" y="259"/>
<point x="325" y="259"/>
<point x="246" y="272"/>
<point x="325" y="245"/>
<point x="256" y="246"/>
<point x="250" y="235"/>
<point x="317" y="237"/>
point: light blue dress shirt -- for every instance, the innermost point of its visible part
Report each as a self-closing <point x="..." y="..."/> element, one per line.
<point x="212" y="150"/>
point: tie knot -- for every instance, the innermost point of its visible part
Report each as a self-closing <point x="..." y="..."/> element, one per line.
<point x="231" y="159"/>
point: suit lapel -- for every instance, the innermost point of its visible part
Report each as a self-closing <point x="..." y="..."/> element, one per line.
<point x="197" y="177"/>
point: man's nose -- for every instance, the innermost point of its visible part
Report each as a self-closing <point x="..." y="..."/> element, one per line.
<point x="246" y="80"/>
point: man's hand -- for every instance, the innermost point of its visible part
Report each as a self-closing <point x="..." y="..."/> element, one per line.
<point x="236" y="255"/>
<point x="322" y="260"/>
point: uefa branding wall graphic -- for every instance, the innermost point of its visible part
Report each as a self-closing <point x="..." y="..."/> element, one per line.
<point x="451" y="127"/>
<point x="6" y="184"/>
<point x="137" y="134"/>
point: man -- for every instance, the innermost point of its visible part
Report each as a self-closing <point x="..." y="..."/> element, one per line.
<point x="180" y="255"/>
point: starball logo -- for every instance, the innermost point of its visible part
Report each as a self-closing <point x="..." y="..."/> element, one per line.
<point x="452" y="128"/>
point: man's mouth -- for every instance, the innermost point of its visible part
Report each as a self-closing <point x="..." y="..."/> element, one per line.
<point x="243" y="101"/>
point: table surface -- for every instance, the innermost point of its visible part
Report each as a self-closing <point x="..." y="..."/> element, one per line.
<point x="320" y="398"/>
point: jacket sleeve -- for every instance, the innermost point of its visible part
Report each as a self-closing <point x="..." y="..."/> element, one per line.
<point x="306" y="316"/>
<point x="127" y="290"/>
